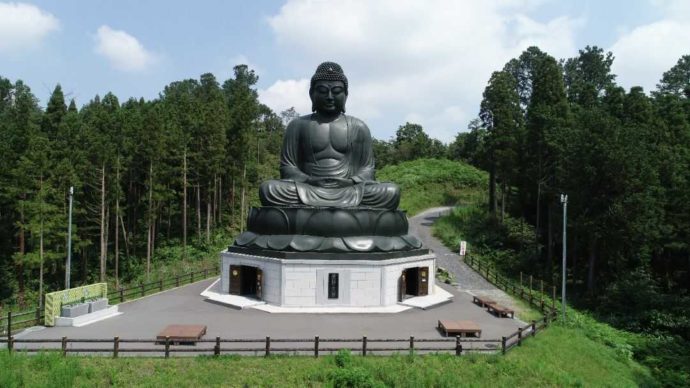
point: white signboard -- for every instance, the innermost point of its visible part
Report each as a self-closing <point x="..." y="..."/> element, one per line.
<point x="463" y="248"/>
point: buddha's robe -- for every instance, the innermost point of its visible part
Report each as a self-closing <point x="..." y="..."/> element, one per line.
<point x="328" y="164"/>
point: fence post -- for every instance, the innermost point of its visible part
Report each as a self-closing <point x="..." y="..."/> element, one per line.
<point x="411" y="344"/>
<point x="216" y="349"/>
<point x="122" y="295"/>
<point x="10" y="344"/>
<point x="316" y="346"/>
<point x="364" y="345"/>
<point x="160" y="285"/>
<point x="64" y="346"/>
<point x="116" y="346"/>
<point x="479" y="267"/>
<point x="142" y="289"/>
<point x="458" y="346"/>
<point x="177" y="283"/>
<point x="553" y="298"/>
<point x="191" y="277"/>
<point x="541" y="294"/>
<point x="167" y="346"/>
<point x="9" y="325"/>
<point x="530" y="289"/>
<point x="268" y="346"/>
<point x="520" y="279"/>
<point x="38" y="315"/>
<point x="519" y="336"/>
<point x="534" y="328"/>
<point x="205" y="273"/>
<point x="546" y="321"/>
<point x="503" y="345"/>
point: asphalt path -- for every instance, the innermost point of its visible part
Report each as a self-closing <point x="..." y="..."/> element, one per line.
<point x="145" y="317"/>
<point x="466" y="279"/>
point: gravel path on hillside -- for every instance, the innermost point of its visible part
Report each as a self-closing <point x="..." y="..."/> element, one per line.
<point x="466" y="278"/>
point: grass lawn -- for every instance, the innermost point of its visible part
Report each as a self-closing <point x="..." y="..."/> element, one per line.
<point x="560" y="356"/>
<point x="426" y="183"/>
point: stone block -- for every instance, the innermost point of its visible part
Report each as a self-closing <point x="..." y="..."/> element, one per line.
<point x="98" y="304"/>
<point x="74" y="310"/>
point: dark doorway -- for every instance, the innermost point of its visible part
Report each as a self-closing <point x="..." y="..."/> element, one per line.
<point x="246" y="281"/>
<point x="411" y="285"/>
<point x="413" y="282"/>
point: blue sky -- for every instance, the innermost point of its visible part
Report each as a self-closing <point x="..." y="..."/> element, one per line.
<point x="420" y="61"/>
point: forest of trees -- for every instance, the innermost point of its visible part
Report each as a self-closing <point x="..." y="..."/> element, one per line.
<point x="177" y="170"/>
<point x="549" y="127"/>
<point x="174" y="170"/>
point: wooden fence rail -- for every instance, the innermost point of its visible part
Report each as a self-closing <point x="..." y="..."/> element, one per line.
<point x="10" y="324"/>
<point x="366" y="345"/>
<point x="262" y="346"/>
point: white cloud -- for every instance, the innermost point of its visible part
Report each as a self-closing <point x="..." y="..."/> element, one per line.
<point x="123" y="51"/>
<point x="644" y="53"/>
<point x="409" y="59"/>
<point x="283" y="95"/>
<point x="24" y="25"/>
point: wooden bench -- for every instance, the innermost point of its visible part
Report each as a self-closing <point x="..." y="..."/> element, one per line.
<point x="501" y="311"/>
<point x="181" y="334"/>
<point x="482" y="301"/>
<point x="461" y="328"/>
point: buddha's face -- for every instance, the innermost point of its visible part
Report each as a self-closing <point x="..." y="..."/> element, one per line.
<point x="328" y="97"/>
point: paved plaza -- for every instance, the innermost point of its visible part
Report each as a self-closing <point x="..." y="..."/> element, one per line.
<point x="144" y="318"/>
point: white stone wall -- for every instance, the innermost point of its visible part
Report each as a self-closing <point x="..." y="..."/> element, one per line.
<point x="304" y="283"/>
<point x="270" y="267"/>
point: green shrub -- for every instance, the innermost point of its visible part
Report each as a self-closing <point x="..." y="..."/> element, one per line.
<point x="344" y="358"/>
<point x="354" y="377"/>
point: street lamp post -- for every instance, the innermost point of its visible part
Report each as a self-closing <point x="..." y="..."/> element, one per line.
<point x="68" y="265"/>
<point x="564" y="201"/>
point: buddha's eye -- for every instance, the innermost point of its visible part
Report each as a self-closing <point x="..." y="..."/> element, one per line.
<point x="322" y="89"/>
<point x="337" y="90"/>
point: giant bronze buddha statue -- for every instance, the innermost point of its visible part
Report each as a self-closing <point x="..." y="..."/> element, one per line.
<point x="327" y="199"/>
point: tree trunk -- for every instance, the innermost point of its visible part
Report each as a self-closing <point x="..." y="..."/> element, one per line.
<point x="537" y="232"/>
<point x="549" y="246"/>
<point x="149" y="234"/>
<point x="232" y="202"/>
<point x="154" y="230"/>
<point x="220" y="201"/>
<point x="184" y="205"/>
<point x="168" y="223"/>
<point x="244" y="177"/>
<point x="215" y="199"/>
<point x="117" y="229"/>
<point x="503" y="201"/>
<point x="492" y="191"/>
<point x="592" y="261"/>
<point x="22" y="252"/>
<point x="124" y="235"/>
<point x="198" y="212"/>
<point x="40" y="255"/>
<point x="103" y="230"/>
<point x="208" y="217"/>
<point x="84" y="266"/>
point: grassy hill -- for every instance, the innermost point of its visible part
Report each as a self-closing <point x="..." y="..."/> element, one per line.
<point x="434" y="182"/>
<point x="560" y="356"/>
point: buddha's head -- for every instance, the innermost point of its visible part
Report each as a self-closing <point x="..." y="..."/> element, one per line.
<point x="328" y="89"/>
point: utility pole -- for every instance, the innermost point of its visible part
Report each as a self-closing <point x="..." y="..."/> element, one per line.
<point x="564" y="201"/>
<point x="68" y="266"/>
